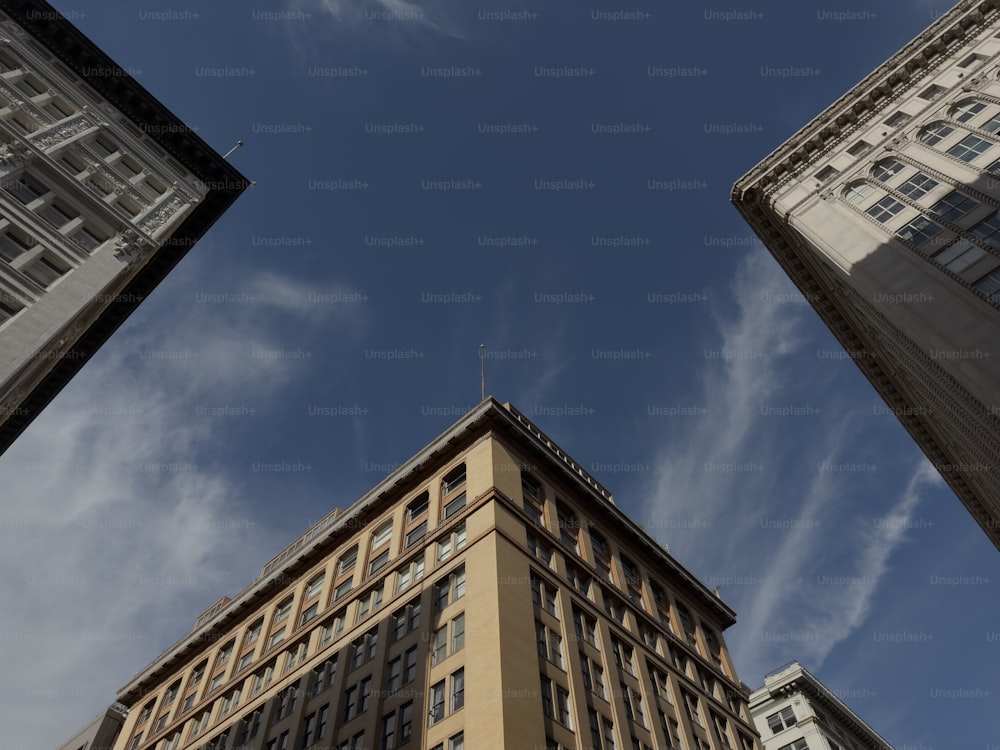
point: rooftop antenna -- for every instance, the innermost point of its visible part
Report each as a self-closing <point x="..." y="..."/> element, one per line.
<point x="238" y="145"/>
<point x="482" y="359"/>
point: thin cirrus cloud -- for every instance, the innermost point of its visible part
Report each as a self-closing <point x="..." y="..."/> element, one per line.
<point x="139" y="531"/>
<point x="397" y="15"/>
<point x="785" y="610"/>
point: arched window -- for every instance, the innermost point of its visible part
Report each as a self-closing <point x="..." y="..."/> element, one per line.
<point x="885" y="170"/>
<point x="966" y="109"/>
<point x="935" y="133"/>
<point x="858" y="192"/>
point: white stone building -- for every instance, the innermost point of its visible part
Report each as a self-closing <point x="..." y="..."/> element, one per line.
<point x="102" y="192"/>
<point x="885" y="212"/>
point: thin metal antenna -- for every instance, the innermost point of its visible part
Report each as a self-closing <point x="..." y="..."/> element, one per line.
<point x="482" y="359"/>
<point x="238" y="144"/>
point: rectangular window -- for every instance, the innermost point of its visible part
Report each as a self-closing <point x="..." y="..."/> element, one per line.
<point x="543" y="595"/>
<point x="563" y="715"/>
<point x="436" y="712"/>
<point x="859" y="149"/>
<point x="453" y="480"/>
<point x="439" y="645"/>
<point x="276" y="638"/>
<point x="309" y="614"/>
<point x="415" y="534"/>
<point x="970" y="147"/>
<point x="45" y="270"/>
<point x="954" y="206"/>
<point x="885" y="209"/>
<point x="393" y="675"/>
<point x="454" y="506"/>
<point x="457" y="690"/>
<point x="458" y="633"/>
<point x="409" y="665"/>
<point x="343" y="589"/>
<point x="382" y="535"/>
<point x="314" y="586"/>
<point x="417" y="507"/>
<point x="378" y="563"/>
<point x="347" y="560"/>
<point x="919" y="231"/>
<point x="569" y="527"/>
<point x="548" y="705"/>
<point x="405" y="722"/>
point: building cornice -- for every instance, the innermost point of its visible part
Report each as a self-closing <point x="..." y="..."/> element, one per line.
<point x="873" y="94"/>
<point x="796" y="679"/>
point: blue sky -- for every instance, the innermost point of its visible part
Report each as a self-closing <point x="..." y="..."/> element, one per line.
<point x="431" y="177"/>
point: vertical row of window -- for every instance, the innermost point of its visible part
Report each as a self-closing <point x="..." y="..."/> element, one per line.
<point x="632" y="583"/>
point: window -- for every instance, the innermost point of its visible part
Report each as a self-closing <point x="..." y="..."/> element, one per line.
<point x="57" y="214"/>
<point x="451" y="587"/>
<point x="972" y="62"/>
<point x="382" y="535"/>
<point x="343" y="589"/>
<point x="569" y="527"/>
<point x="276" y="638"/>
<point x="216" y="683"/>
<point x="393" y="675"/>
<point x="917" y="186"/>
<point x="453" y="542"/>
<point x="26" y="188"/>
<point x="722" y="727"/>
<point x="932" y="92"/>
<point x="308" y="731"/>
<point x="992" y="125"/>
<point x="454" y="506"/>
<point x="365" y="688"/>
<point x="679" y="659"/>
<point x="457" y="742"/>
<point x="612" y="606"/>
<point x="439" y="645"/>
<point x="602" y="555"/>
<point x="531" y="488"/>
<point x="410" y="573"/>
<point x="965" y="111"/>
<point x="406" y="619"/>
<point x="253" y="632"/>
<point x="648" y="635"/>
<point x="285" y="702"/>
<point x="593" y="675"/>
<point x="347" y="560"/>
<point x="543" y="594"/>
<point x="15" y="242"/>
<point x="378" y="562"/>
<point x="662" y="605"/>
<point x="585" y="627"/>
<point x="309" y="614"/>
<point x="458" y="633"/>
<point x="632" y="700"/>
<point x="331" y="628"/>
<point x="262" y="679"/>
<point x="248" y="727"/>
<point x="898" y="119"/>
<point x="457" y="690"/>
<point x="623" y="655"/>
<point x="314" y="586"/>
<point x="691" y="708"/>
<point x="323" y="677"/>
<point x="826" y="174"/>
<point x="200" y="723"/>
<point x="245" y="661"/>
<point x="188" y="702"/>
<point x="417" y="507"/>
<point x="687" y="624"/>
<point x="579" y="580"/>
<point x="988" y="230"/>
<point x="283" y="609"/>
<point x="549" y="644"/>
<point x="147" y="711"/>
<point x="409" y="665"/>
<point x="935" y="133"/>
<point x="229" y="703"/>
<point x="387" y="737"/>
<point x="453" y="480"/>
<point x="958" y="256"/>
<point x="970" y="147"/>
<point x="540" y="549"/>
<point x="136" y="741"/>
<point x="405" y="722"/>
<point x="369" y="603"/>
<point x="363" y="649"/>
<point x="859" y="149"/>
<point x="714" y="647"/>
<point x="990" y="285"/>
<point x="858" y="192"/>
<point x="436" y="712"/>
<point x="173" y="741"/>
<point x="548" y="705"/>
<point x="225" y="653"/>
<point x="885" y="209"/>
<point x="350" y="703"/>
<point x="296" y="655"/>
<point x="919" y="231"/>
<point x="45" y="270"/>
<point x="415" y="534"/>
<point x="886" y="169"/>
<point x="954" y="206"/>
<point x="633" y="581"/>
<point x="799" y="744"/>
<point x="661" y="685"/>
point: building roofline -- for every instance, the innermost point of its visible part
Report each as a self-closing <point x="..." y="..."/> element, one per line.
<point x="870" y="95"/>
<point x="794" y="678"/>
<point x="488" y="414"/>
<point x="223" y="181"/>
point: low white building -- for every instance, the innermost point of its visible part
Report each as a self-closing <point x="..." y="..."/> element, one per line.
<point x="795" y="711"/>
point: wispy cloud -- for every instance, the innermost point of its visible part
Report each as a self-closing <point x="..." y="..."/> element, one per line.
<point x="114" y="530"/>
<point x="398" y="16"/>
<point x="744" y="476"/>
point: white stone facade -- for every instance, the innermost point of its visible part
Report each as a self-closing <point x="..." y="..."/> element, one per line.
<point x="885" y="211"/>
